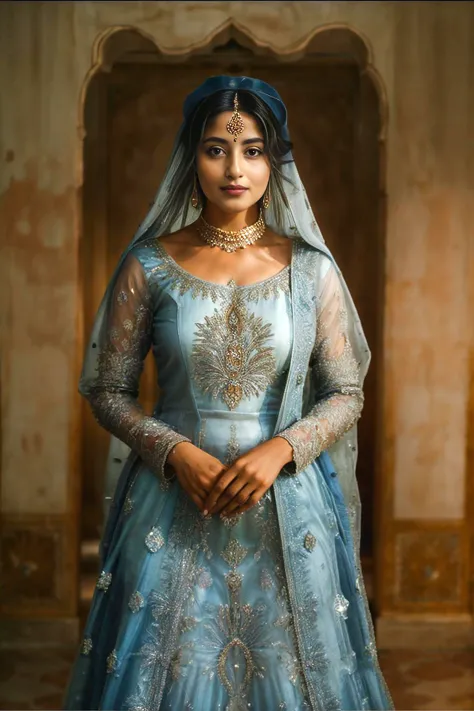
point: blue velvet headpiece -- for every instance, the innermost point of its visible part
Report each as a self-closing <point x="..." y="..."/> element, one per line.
<point x="218" y="83"/>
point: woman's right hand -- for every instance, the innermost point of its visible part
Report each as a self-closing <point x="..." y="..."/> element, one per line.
<point x="196" y="470"/>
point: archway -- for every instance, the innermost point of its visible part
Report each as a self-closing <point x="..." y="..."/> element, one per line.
<point x="337" y="122"/>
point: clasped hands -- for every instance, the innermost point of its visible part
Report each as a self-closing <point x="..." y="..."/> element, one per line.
<point x="216" y="488"/>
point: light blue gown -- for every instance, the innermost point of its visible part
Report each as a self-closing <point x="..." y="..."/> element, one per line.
<point x="200" y="613"/>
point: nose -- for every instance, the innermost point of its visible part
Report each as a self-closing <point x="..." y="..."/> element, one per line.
<point x="234" y="166"/>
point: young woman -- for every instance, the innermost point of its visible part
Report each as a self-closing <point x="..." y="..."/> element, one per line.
<point x="230" y="565"/>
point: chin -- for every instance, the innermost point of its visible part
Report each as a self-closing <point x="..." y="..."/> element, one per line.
<point x="233" y="205"/>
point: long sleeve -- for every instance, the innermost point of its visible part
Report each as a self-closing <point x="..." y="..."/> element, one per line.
<point x="114" y="398"/>
<point x="338" y="396"/>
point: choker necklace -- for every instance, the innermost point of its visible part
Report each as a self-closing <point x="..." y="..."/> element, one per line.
<point x="230" y="240"/>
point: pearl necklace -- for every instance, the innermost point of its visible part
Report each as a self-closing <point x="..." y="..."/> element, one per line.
<point x="231" y="240"/>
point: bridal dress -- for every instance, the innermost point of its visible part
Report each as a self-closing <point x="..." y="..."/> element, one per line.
<point x="266" y="610"/>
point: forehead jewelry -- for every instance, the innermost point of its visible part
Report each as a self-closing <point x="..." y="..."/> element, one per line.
<point x="235" y="125"/>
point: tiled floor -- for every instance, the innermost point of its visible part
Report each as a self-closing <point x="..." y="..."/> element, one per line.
<point x="430" y="680"/>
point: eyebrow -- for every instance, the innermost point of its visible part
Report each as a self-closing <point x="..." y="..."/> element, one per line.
<point x="225" y="142"/>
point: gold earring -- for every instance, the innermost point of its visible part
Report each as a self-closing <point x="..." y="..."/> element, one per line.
<point x="266" y="199"/>
<point x="195" y="195"/>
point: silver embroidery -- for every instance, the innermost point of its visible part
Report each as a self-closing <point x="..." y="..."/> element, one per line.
<point x="234" y="581"/>
<point x="136" y="602"/>
<point x="86" y="646"/>
<point x="234" y="553"/>
<point x="187" y="624"/>
<point x="120" y="363"/>
<point x="182" y="281"/>
<point x="371" y="649"/>
<point x="335" y="374"/>
<point x="231" y="358"/>
<point x="112" y="662"/>
<point x="233" y="446"/>
<point x="341" y="605"/>
<point x="104" y="581"/>
<point x="235" y="634"/>
<point x="154" y="540"/>
<point x="202" y="434"/>
<point x="127" y="505"/>
<point x="203" y="578"/>
<point x="309" y="542"/>
<point x="266" y="580"/>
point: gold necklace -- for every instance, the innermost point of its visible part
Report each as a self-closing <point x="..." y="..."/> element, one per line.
<point x="231" y="240"/>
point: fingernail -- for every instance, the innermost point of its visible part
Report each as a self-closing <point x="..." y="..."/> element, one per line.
<point x="205" y="512"/>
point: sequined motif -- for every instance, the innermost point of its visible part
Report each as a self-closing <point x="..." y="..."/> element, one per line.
<point x="127" y="505"/>
<point x="232" y="357"/>
<point x="119" y="366"/>
<point x="309" y="542"/>
<point x="234" y="553"/>
<point x="182" y="281"/>
<point x="136" y="602"/>
<point x="335" y="373"/>
<point x="233" y="446"/>
<point x="154" y="540"/>
<point x="371" y="649"/>
<point x="104" y="581"/>
<point x="112" y="662"/>
<point x="266" y="580"/>
<point x="86" y="646"/>
<point x="203" y="578"/>
<point x="212" y="633"/>
<point x="341" y="605"/>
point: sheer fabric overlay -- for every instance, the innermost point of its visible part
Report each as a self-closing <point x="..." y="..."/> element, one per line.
<point x="298" y="221"/>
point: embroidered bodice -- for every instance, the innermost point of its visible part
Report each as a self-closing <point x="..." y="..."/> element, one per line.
<point x="222" y="354"/>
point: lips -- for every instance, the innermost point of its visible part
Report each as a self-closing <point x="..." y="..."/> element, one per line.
<point x="234" y="189"/>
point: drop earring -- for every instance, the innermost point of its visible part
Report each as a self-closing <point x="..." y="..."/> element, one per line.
<point x="266" y="199"/>
<point x="195" y="195"/>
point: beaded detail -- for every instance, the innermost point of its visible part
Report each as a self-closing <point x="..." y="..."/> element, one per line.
<point x="136" y="602"/>
<point x="127" y="505"/>
<point x="341" y="605"/>
<point x="309" y="542"/>
<point x="234" y="553"/>
<point x="154" y="540"/>
<point x="335" y="374"/>
<point x="86" y="646"/>
<point x="183" y="281"/>
<point x="104" y="581"/>
<point x="120" y="363"/>
<point x="112" y="662"/>
<point x="203" y="578"/>
<point x="231" y="356"/>
<point x="230" y="240"/>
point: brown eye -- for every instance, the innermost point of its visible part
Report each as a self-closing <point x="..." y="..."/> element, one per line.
<point x="254" y="152"/>
<point x="215" y="151"/>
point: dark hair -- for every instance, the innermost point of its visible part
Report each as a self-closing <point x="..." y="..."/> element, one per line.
<point x="277" y="148"/>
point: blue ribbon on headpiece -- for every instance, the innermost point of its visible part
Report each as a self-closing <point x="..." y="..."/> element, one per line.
<point x="265" y="91"/>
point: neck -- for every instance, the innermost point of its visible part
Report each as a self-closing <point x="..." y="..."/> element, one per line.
<point x="230" y="221"/>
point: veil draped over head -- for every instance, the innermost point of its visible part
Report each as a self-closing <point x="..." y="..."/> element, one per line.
<point x="295" y="219"/>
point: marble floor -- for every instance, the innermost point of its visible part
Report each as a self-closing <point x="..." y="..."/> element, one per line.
<point x="36" y="679"/>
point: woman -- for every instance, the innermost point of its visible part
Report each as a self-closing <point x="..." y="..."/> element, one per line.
<point x="231" y="576"/>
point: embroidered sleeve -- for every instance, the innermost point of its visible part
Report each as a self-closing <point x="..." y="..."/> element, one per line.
<point x="114" y="400"/>
<point x="338" y="395"/>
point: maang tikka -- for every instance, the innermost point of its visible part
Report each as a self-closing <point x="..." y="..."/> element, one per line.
<point x="235" y="125"/>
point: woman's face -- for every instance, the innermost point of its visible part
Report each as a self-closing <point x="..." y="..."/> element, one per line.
<point x="222" y="163"/>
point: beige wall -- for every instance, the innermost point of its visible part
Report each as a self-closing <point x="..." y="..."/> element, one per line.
<point x="423" y="53"/>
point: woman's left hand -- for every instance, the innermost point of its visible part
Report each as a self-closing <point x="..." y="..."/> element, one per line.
<point x="249" y="477"/>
